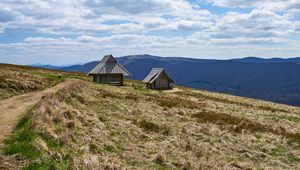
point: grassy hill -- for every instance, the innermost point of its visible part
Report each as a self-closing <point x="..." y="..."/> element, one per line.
<point x="89" y="126"/>
<point x="16" y="80"/>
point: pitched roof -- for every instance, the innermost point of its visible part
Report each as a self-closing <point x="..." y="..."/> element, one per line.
<point x="109" y="65"/>
<point x="154" y="74"/>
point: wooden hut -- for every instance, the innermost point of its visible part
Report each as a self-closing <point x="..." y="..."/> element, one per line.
<point x="109" y="71"/>
<point x="158" y="79"/>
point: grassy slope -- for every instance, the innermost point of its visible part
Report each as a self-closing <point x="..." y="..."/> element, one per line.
<point x="90" y="126"/>
<point x="16" y="80"/>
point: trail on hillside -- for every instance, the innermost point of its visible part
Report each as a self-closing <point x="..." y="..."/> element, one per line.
<point x="12" y="108"/>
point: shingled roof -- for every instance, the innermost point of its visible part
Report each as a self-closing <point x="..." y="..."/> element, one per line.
<point x="109" y="65"/>
<point x="154" y="74"/>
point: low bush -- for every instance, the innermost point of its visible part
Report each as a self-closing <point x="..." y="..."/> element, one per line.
<point x="151" y="126"/>
<point x="154" y="127"/>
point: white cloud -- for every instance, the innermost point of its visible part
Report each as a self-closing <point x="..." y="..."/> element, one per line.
<point x="166" y="27"/>
<point x="90" y="15"/>
<point x="274" y="5"/>
<point x="234" y="3"/>
<point x="257" y="27"/>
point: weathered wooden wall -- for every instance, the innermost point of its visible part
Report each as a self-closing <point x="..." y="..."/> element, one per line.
<point x="116" y="79"/>
<point x="162" y="82"/>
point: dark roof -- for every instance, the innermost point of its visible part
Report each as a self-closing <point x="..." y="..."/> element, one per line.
<point x="154" y="74"/>
<point x="109" y="65"/>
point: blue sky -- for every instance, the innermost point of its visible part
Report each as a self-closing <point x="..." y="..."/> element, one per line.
<point x="68" y="31"/>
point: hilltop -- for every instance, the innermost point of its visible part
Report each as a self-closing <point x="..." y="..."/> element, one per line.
<point x="87" y="125"/>
<point x="274" y="79"/>
<point x="15" y="79"/>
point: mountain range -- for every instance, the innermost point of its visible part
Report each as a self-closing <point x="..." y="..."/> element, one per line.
<point x="275" y="79"/>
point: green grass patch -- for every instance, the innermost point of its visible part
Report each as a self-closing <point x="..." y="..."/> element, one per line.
<point x="53" y="144"/>
<point x="111" y="149"/>
<point x="293" y="159"/>
<point x="277" y="151"/>
<point x="289" y="118"/>
<point x="47" y="165"/>
<point x="54" y="78"/>
<point x="45" y="75"/>
<point x="258" y="136"/>
<point x="21" y="142"/>
<point x="76" y="77"/>
<point x="24" y="122"/>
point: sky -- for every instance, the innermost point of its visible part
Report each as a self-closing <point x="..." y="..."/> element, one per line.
<point x="60" y="32"/>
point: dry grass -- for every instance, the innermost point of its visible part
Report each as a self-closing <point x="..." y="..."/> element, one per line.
<point x="94" y="126"/>
<point x="240" y="124"/>
<point x="21" y="79"/>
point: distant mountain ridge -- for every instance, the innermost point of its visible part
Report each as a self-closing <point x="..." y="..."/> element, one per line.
<point x="274" y="79"/>
<point x="271" y="60"/>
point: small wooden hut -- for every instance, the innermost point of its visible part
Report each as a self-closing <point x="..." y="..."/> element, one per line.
<point x="158" y="79"/>
<point x="109" y="71"/>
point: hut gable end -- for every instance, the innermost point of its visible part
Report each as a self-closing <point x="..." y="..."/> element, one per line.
<point x="158" y="79"/>
<point x="109" y="71"/>
<point x="109" y="65"/>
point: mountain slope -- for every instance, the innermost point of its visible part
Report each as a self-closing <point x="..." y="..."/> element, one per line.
<point x="87" y="125"/>
<point x="99" y="126"/>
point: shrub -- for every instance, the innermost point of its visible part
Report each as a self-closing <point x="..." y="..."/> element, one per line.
<point x="151" y="126"/>
<point x="147" y="125"/>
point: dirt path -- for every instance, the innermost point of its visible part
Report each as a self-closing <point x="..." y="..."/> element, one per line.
<point x="12" y="108"/>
